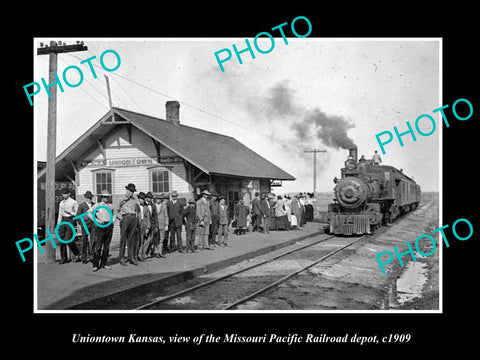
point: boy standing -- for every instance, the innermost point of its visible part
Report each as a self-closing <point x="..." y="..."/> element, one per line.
<point x="88" y="247"/>
<point x="190" y="215"/>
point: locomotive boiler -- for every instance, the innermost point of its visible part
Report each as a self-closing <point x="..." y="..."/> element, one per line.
<point x="368" y="195"/>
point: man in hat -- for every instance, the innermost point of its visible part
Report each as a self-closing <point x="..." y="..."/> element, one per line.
<point x="266" y="214"/>
<point x="67" y="210"/>
<point x="377" y="160"/>
<point x="175" y="222"/>
<point x="223" y="222"/>
<point x="190" y="215"/>
<point x="161" y="222"/>
<point x="150" y="239"/>
<point x="215" y="213"/>
<point x="143" y="228"/>
<point x="128" y="222"/>
<point x="204" y="219"/>
<point x="256" y="212"/>
<point x="88" y="247"/>
<point x="103" y="233"/>
<point x="165" y="246"/>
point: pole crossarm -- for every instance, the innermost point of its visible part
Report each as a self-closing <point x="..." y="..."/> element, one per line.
<point x="57" y="49"/>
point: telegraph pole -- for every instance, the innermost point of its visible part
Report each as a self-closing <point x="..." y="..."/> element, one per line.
<point x="314" y="151"/>
<point x="52" y="51"/>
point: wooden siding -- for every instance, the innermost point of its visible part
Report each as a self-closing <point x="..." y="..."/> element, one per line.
<point x="117" y="146"/>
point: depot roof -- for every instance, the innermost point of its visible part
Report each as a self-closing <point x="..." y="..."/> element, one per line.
<point x="211" y="152"/>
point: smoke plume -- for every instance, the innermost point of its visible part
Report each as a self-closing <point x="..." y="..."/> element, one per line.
<point x="331" y="130"/>
<point x="313" y="123"/>
<point x="279" y="106"/>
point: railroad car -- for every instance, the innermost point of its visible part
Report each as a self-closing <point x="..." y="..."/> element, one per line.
<point x="368" y="195"/>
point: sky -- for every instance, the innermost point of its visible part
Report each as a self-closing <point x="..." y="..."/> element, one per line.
<point x="329" y="94"/>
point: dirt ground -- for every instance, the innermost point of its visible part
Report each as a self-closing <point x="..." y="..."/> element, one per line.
<point x="353" y="280"/>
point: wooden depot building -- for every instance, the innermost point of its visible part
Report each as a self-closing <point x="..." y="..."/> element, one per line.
<point x="161" y="156"/>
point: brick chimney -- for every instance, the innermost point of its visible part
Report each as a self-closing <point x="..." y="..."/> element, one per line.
<point x="173" y="112"/>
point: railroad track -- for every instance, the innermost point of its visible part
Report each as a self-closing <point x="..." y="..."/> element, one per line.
<point x="164" y="300"/>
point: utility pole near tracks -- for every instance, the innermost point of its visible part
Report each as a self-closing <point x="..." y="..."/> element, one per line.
<point x="52" y="51"/>
<point x="314" y="151"/>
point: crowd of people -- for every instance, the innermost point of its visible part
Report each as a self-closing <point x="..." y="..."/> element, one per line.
<point x="151" y="225"/>
<point x="270" y="212"/>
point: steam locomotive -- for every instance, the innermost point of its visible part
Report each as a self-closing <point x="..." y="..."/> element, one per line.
<point x="369" y="195"/>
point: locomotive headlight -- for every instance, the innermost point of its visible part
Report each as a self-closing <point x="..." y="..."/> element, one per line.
<point x="350" y="164"/>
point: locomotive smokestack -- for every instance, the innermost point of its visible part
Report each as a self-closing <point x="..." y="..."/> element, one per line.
<point x="353" y="154"/>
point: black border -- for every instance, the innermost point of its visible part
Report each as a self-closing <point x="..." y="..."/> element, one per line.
<point x="429" y="331"/>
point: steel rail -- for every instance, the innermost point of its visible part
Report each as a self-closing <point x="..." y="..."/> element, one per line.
<point x="210" y="282"/>
<point x="287" y="277"/>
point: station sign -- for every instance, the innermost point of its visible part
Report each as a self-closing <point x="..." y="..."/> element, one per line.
<point x="133" y="161"/>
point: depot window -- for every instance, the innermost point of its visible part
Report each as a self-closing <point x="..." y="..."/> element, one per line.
<point x="160" y="179"/>
<point x="103" y="180"/>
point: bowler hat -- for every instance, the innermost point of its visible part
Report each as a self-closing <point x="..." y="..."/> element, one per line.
<point x="174" y="193"/>
<point x="104" y="193"/>
<point x="159" y="196"/>
<point x="141" y="195"/>
<point x="88" y="194"/>
<point x="149" y="195"/>
<point x="165" y="196"/>
<point x="206" y="192"/>
<point x="131" y="187"/>
<point x="257" y="193"/>
<point x="222" y="197"/>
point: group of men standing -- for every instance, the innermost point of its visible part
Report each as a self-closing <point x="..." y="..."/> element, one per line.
<point x="158" y="222"/>
<point x="100" y="236"/>
<point x="147" y="223"/>
<point x="151" y="226"/>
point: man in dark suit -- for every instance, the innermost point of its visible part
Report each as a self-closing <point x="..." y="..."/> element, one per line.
<point x="150" y="239"/>
<point x="190" y="214"/>
<point x="87" y="246"/>
<point x="143" y="229"/>
<point x="215" y="212"/>
<point x="256" y="212"/>
<point x="266" y="212"/>
<point x="175" y="221"/>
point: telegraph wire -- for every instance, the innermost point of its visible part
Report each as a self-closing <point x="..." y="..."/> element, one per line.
<point x="118" y="99"/>
<point x="183" y="102"/>
<point x="88" y="82"/>
<point x="86" y="92"/>
<point x="283" y="142"/>
<point x="126" y="92"/>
